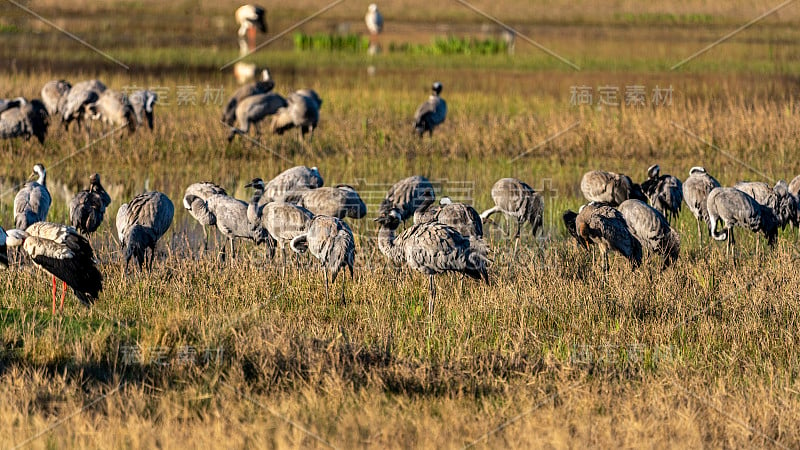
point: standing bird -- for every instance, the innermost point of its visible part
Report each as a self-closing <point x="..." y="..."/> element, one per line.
<point x="253" y="109"/>
<point x="606" y="227"/>
<point x="652" y="229"/>
<point x="143" y="102"/>
<point x="203" y="190"/>
<point x="609" y="188"/>
<point x="32" y="201"/>
<point x="301" y="111"/>
<point x="20" y="118"/>
<point x="736" y="208"/>
<point x="460" y="216"/>
<point x="778" y="199"/>
<point x="141" y="223"/>
<point x="432" y="248"/>
<point x="331" y="241"/>
<point x="113" y="108"/>
<point x="432" y="113"/>
<point x="74" y="104"/>
<point x="517" y="199"/>
<point x="339" y="201"/>
<point x="298" y="178"/>
<point x="665" y="192"/>
<point x="406" y="196"/>
<point x="695" y="191"/>
<point x="374" y="21"/>
<point x="52" y="94"/>
<point x="250" y="18"/>
<point x="262" y="86"/>
<point x="64" y="253"/>
<point x="87" y="208"/>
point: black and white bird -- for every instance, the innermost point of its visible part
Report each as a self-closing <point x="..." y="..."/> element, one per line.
<point x="331" y="241"/>
<point x="432" y="113"/>
<point x="606" y="227"/>
<point x="88" y="207"/>
<point x="339" y="201"/>
<point x="250" y="18"/>
<point x="464" y="218"/>
<point x="301" y="112"/>
<point x="652" y="229"/>
<point x="406" y="196"/>
<point x="432" y="248"/>
<point x="695" y="191"/>
<point x="518" y="200"/>
<point x="141" y="223"/>
<point x="32" y="202"/>
<point x="143" y="103"/>
<point x="735" y="208"/>
<point x="609" y="188"/>
<point x="665" y="192"/>
<point x="21" y="118"/>
<point x="64" y="253"/>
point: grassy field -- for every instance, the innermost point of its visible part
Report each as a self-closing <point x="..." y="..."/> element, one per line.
<point x="552" y="354"/>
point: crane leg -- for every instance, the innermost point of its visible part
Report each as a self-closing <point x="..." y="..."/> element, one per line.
<point x="433" y="296"/>
<point x="344" y="280"/>
<point x="205" y="239"/>
<point x="54" y="294"/>
<point x="699" y="232"/>
<point x="325" y="274"/>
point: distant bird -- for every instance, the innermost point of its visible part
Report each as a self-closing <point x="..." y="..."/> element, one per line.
<point x="517" y="199"/>
<point x="432" y="248"/>
<point x="253" y="109"/>
<point x="301" y="111"/>
<point x="695" y="192"/>
<point x="331" y="241"/>
<point x="87" y="208"/>
<point x="23" y="119"/>
<point x="736" y="208"/>
<point x="374" y="20"/>
<point x="250" y="18"/>
<point x="652" y="229"/>
<point x="665" y="192"/>
<point x="432" y="113"/>
<point x="610" y="188"/>
<point x="460" y="216"/>
<point x="64" y="253"/>
<point x="262" y="86"/>
<point x="32" y="201"/>
<point x="406" y="196"/>
<point x="77" y="100"/>
<point x="203" y="190"/>
<point x="141" y="223"/>
<point x="298" y="178"/>
<point x="143" y="102"/>
<point x="339" y="201"/>
<point x="782" y="203"/>
<point x="52" y="94"/>
<point x="113" y="108"/>
<point x="606" y="227"/>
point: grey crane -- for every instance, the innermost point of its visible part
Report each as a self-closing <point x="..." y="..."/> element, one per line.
<point x="432" y="113"/>
<point x="606" y="227"/>
<point x="298" y="178"/>
<point x="113" y="108"/>
<point x="777" y="198"/>
<point x="331" y="241"/>
<point x="652" y="229"/>
<point x="432" y="248"/>
<point x="609" y="188"/>
<point x="24" y="119"/>
<point x="517" y="199"/>
<point x="65" y="254"/>
<point x="406" y="196"/>
<point x="736" y="208"/>
<point x="460" y="216"/>
<point x="695" y="193"/>
<point x="77" y="100"/>
<point x="32" y="201"/>
<point x="250" y="18"/>
<point x="339" y="201"/>
<point x="301" y="111"/>
<point x="203" y="190"/>
<point x="229" y="215"/>
<point x="143" y="102"/>
<point x="665" y="192"/>
<point x="253" y="109"/>
<point x="87" y="208"/>
<point x="52" y="94"/>
<point x="141" y="223"/>
<point x="262" y="86"/>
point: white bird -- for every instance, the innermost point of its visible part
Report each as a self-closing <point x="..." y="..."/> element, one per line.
<point x="331" y="241"/>
<point x="141" y="223"/>
<point x="374" y="20"/>
<point x="432" y="113"/>
<point x="64" y="253"/>
<point x="250" y="18"/>
<point x="32" y="201"/>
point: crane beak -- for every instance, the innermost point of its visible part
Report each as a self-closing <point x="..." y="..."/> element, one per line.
<point x="32" y="176"/>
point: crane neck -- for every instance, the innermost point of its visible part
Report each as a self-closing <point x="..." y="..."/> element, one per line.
<point x="387" y="245"/>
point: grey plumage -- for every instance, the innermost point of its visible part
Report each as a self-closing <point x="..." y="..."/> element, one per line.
<point x="665" y="192"/>
<point x="460" y="216"/>
<point x="253" y="109"/>
<point x="777" y="198"/>
<point x="52" y="94"/>
<point x="73" y="106"/>
<point x="406" y="196"/>
<point x="203" y="190"/>
<point x="87" y="208"/>
<point x="432" y="113"/>
<point x="32" y="201"/>
<point x="143" y="103"/>
<point x="517" y="199"/>
<point x="331" y="241"/>
<point x="609" y="187"/>
<point x="113" y="108"/>
<point x="141" y="223"/>
<point x="607" y="228"/>
<point x="735" y="208"/>
<point x="695" y="191"/>
<point x="298" y="178"/>
<point x="432" y="248"/>
<point x="262" y="86"/>
<point x="283" y="221"/>
<point x="301" y="111"/>
<point x="652" y="229"/>
<point x="24" y="119"/>
<point x="339" y="201"/>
